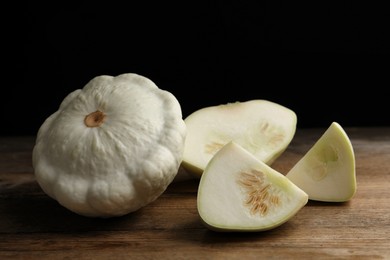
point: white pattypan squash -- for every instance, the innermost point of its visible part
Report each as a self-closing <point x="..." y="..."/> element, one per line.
<point x="112" y="147"/>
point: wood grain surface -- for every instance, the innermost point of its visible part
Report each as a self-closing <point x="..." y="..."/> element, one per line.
<point x="34" y="226"/>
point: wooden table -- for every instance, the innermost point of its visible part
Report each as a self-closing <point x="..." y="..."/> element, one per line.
<point x="33" y="226"/>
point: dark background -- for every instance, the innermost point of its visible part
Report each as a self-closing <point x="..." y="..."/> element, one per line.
<point x="327" y="62"/>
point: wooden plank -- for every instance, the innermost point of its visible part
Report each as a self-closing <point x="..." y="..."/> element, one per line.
<point x="32" y="225"/>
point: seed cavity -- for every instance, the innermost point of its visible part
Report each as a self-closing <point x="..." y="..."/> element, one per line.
<point x="259" y="194"/>
<point x="272" y="134"/>
<point x="319" y="172"/>
<point x="325" y="156"/>
<point x="213" y="147"/>
<point x="330" y="154"/>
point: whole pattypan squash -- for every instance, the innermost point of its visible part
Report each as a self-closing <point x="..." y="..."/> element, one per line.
<point x="112" y="147"/>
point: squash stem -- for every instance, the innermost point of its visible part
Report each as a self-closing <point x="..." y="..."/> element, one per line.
<point x="94" y="119"/>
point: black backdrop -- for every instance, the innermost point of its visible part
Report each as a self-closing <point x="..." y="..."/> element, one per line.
<point x="326" y="62"/>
